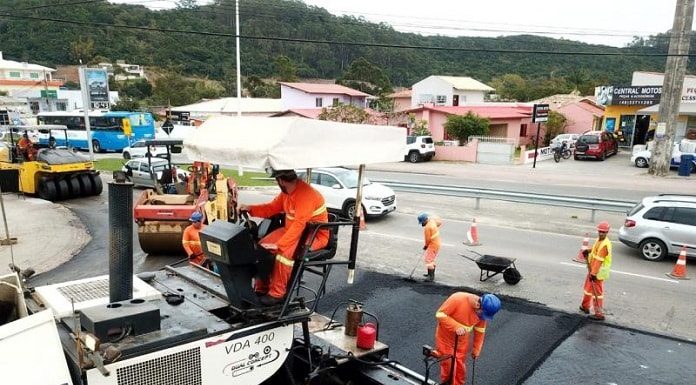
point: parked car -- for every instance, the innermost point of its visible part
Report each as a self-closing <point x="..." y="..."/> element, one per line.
<point x="139" y="150"/>
<point x="661" y="225"/>
<point x="641" y="158"/>
<point x="568" y="139"/>
<point x="595" y="144"/>
<point x="339" y="186"/>
<point x="419" y="148"/>
<point x="140" y="172"/>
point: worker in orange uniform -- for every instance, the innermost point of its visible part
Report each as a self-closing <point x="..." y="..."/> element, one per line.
<point x="26" y="147"/>
<point x="598" y="267"/>
<point x="191" y="239"/>
<point x="457" y="317"/>
<point x="431" y="233"/>
<point x="300" y="203"/>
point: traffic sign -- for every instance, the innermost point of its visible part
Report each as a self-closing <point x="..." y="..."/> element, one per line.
<point x="167" y="127"/>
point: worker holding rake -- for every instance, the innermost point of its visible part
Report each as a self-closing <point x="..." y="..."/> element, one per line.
<point x="431" y="233"/>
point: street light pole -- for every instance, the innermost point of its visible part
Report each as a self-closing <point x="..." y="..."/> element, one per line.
<point x="239" y="71"/>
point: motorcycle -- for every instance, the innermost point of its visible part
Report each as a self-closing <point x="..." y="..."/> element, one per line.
<point x="561" y="151"/>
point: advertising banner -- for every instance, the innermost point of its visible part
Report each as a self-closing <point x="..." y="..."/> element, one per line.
<point x="540" y="113"/>
<point x="628" y="95"/>
<point x="97" y="85"/>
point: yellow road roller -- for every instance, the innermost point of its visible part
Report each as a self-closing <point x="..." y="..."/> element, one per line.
<point x="50" y="173"/>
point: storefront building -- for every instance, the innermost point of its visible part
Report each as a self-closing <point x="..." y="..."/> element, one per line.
<point x="631" y="112"/>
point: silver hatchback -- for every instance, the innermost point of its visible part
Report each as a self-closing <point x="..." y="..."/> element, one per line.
<point x="661" y="225"/>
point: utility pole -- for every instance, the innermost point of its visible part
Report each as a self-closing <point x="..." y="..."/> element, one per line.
<point x="45" y="82"/>
<point x="239" y="71"/>
<point x="672" y="87"/>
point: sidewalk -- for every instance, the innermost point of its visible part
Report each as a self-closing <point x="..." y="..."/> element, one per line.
<point x="48" y="234"/>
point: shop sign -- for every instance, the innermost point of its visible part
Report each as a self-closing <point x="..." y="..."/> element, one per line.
<point x="628" y="95"/>
<point x="540" y="113"/>
<point x="689" y="95"/>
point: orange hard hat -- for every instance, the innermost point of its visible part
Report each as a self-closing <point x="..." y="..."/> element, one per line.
<point x="603" y="227"/>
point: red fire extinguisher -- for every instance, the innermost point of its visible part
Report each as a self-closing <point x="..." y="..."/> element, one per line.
<point x="367" y="335"/>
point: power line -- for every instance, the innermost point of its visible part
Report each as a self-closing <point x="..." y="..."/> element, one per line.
<point x="55" y="5"/>
<point x="344" y="43"/>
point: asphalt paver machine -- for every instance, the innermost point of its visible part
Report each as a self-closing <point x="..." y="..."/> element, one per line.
<point x="185" y="325"/>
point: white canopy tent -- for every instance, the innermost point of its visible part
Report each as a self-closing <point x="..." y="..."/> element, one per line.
<point x="293" y="142"/>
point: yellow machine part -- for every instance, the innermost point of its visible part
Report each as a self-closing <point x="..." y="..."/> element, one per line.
<point x="162" y="237"/>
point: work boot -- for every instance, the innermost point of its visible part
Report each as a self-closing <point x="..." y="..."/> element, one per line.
<point x="586" y="311"/>
<point x="597" y="317"/>
<point x="268" y="300"/>
<point x="430" y="276"/>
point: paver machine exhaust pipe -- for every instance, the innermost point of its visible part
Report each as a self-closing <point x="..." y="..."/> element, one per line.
<point x="120" y="239"/>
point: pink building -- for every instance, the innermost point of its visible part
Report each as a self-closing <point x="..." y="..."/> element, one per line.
<point x="583" y="112"/>
<point x="313" y="113"/>
<point x="506" y="120"/>
<point x="312" y="95"/>
<point x="402" y="100"/>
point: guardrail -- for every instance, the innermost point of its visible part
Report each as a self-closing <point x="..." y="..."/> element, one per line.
<point x="593" y="204"/>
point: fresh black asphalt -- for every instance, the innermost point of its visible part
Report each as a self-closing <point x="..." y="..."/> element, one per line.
<point x="526" y="343"/>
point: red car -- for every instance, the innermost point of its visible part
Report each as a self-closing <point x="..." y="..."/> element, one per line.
<point x="595" y="144"/>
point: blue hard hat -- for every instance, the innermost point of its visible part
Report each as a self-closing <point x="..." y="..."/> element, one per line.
<point x="422" y="217"/>
<point x="196" y="217"/>
<point x="490" y="304"/>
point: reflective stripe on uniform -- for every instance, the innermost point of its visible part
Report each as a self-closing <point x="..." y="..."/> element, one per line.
<point x="441" y="314"/>
<point x="592" y="295"/>
<point x="285" y="261"/>
<point x="316" y="212"/>
<point x="480" y="330"/>
<point x="598" y="258"/>
<point x="435" y="235"/>
<point x="191" y="242"/>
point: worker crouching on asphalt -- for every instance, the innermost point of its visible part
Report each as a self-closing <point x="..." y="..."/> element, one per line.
<point x="598" y="267"/>
<point x="431" y="232"/>
<point x="301" y="204"/>
<point x="457" y="317"/>
<point x="191" y="240"/>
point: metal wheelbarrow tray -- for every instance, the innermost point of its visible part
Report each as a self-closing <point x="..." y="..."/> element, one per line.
<point x="492" y="265"/>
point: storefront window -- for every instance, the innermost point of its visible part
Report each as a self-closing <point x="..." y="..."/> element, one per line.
<point x="611" y="123"/>
<point x="625" y="131"/>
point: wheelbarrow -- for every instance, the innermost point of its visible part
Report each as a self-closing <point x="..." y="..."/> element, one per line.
<point x="492" y="265"/>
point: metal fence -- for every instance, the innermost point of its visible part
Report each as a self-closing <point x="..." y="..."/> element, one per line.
<point x="593" y="204"/>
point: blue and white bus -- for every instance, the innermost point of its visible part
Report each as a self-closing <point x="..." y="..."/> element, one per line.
<point x="107" y="128"/>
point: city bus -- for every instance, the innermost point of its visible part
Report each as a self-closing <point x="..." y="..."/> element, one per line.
<point x="107" y="128"/>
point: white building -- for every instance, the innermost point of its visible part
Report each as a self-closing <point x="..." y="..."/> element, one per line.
<point x="40" y="100"/>
<point x="312" y="95"/>
<point x="123" y="71"/>
<point x="16" y="75"/>
<point x="448" y="91"/>
<point x="230" y="106"/>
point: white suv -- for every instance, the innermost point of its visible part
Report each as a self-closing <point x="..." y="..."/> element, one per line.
<point x="419" y="148"/>
<point x="339" y="186"/>
<point x="661" y="225"/>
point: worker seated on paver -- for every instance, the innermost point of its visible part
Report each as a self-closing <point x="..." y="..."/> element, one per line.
<point x="301" y="204"/>
<point x="191" y="240"/>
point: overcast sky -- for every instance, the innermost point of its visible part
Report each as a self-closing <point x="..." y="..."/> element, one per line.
<point x="611" y="22"/>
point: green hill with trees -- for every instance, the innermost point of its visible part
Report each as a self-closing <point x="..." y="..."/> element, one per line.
<point x="287" y="40"/>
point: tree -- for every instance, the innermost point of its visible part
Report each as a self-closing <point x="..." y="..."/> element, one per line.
<point x="126" y="105"/>
<point x="511" y="87"/>
<point x="555" y="125"/>
<point x="462" y="127"/>
<point x="366" y="77"/>
<point x="71" y="85"/>
<point x="417" y="127"/>
<point x="285" y="68"/>
<point x="258" y="88"/>
<point x="187" y="4"/>
<point x="345" y="113"/>
<point x="82" y="50"/>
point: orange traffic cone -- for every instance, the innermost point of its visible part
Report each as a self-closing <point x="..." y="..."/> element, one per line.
<point x="363" y="226"/>
<point x="472" y="238"/>
<point x="679" y="271"/>
<point x="580" y="258"/>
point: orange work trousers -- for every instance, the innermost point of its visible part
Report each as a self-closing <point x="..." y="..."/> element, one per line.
<point x="442" y="349"/>
<point x="429" y="256"/>
<point x="282" y="267"/>
<point x="589" y="296"/>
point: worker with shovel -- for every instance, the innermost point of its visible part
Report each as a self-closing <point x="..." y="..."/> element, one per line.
<point x="457" y="317"/>
<point x="431" y="233"/>
<point x="598" y="267"/>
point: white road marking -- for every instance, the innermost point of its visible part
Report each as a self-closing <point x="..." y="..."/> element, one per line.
<point x="623" y="272"/>
<point x="419" y="240"/>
